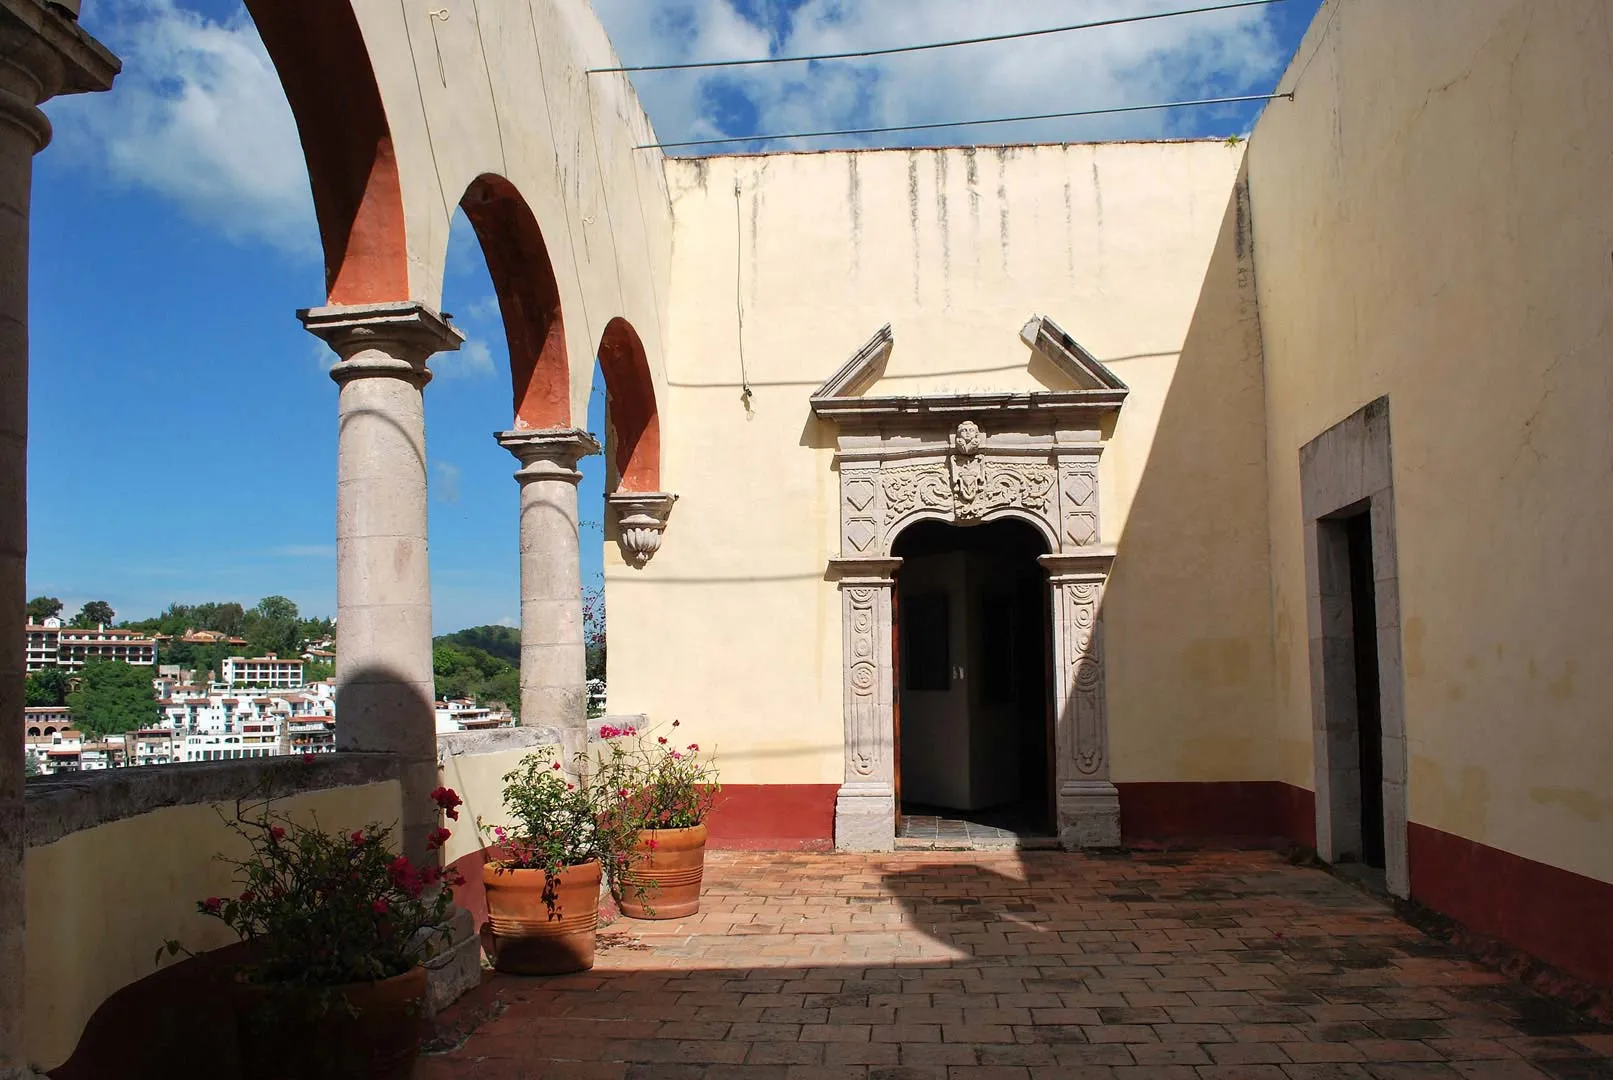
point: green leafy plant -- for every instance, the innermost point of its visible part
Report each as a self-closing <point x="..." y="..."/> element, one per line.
<point x="646" y="780"/>
<point x="324" y="909"/>
<point x="555" y="821"/>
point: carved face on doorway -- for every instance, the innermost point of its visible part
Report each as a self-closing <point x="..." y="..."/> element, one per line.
<point x="968" y="468"/>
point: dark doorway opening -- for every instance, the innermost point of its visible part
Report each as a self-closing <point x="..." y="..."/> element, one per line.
<point x="1369" y="717"/>
<point x="974" y="755"/>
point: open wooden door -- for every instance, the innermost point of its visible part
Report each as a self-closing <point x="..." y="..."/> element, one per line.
<point x="896" y="704"/>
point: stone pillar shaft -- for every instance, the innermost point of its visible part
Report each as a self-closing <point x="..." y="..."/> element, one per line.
<point x="554" y="690"/>
<point x="1088" y="803"/>
<point x="42" y="54"/>
<point x="384" y="684"/>
<point x="865" y="808"/>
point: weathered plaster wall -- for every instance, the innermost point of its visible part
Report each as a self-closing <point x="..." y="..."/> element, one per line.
<point x="1132" y="248"/>
<point x="102" y="900"/>
<point x="502" y="89"/>
<point x="1431" y="221"/>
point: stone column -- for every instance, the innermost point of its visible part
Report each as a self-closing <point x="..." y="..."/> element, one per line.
<point x="384" y="684"/>
<point x="554" y="690"/>
<point x="1088" y="802"/>
<point x="42" y="54"/>
<point x="865" y="808"/>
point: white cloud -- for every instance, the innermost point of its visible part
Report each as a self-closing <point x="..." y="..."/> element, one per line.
<point x="447" y="481"/>
<point x="1207" y="55"/>
<point x="197" y="115"/>
<point x="473" y="360"/>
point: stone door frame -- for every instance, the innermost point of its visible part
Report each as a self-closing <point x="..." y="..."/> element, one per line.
<point x="1347" y="467"/>
<point x="967" y="459"/>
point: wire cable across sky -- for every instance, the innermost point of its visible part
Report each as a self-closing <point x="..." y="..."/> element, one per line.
<point x="961" y="123"/>
<point x="860" y="54"/>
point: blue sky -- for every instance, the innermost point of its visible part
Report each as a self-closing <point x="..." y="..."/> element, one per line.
<point x="182" y="424"/>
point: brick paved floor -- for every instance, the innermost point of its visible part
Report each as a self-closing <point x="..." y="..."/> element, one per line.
<point x="967" y="965"/>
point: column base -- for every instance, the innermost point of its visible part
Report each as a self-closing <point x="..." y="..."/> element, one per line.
<point x="1089" y="815"/>
<point x="865" y="819"/>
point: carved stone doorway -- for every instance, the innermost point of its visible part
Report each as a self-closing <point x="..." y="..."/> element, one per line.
<point x="967" y="459"/>
<point x="975" y="742"/>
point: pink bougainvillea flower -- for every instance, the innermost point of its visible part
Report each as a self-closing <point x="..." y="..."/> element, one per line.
<point x="676" y="756"/>
<point x="357" y="837"/>
<point x="694" y="746"/>
<point x="212" y="905"/>
<point x="661" y="740"/>
<point x="676" y="722"/>
<point x="448" y="801"/>
<point x="438" y="837"/>
<point x="276" y="833"/>
<point x="248" y="896"/>
<point x="380" y="907"/>
<point x="557" y="766"/>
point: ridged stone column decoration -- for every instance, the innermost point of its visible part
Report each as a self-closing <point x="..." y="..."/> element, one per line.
<point x="554" y="689"/>
<point x="42" y="54"/>
<point x="865" y="807"/>
<point x="1088" y="803"/>
<point x="384" y="684"/>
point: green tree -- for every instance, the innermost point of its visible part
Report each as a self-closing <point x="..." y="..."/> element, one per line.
<point x="47" y="687"/>
<point x="30" y="767"/>
<point x="41" y="608"/>
<point x="113" y="697"/>
<point x="272" y="627"/>
<point x="318" y="670"/>
<point x="94" y="613"/>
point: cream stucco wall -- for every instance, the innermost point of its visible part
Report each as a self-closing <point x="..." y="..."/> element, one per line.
<point x="103" y="900"/>
<point x="1133" y="248"/>
<point x="512" y="97"/>
<point x="1431" y="220"/>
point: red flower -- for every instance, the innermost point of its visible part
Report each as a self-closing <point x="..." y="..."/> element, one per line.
<point x="212" y="905"/>
<point x="557" y="766"/>
<point x="357" y="837"/>
<point x="448" y="800"/>
<point x="248" y="896"/>
<point x="276" y="833"/>
<point x="694" y="746"/>
<point x="438" y="837"/>
<point x="661" y="740"/>
<point x="430" y="875"/>
<point x="380" y="906"/>
<point x="675" y="723"/>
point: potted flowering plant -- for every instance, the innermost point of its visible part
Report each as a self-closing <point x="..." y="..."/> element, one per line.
<point x="659" y="790"/>
<point x="337" y="926"/>
<point x="543" y="876"/>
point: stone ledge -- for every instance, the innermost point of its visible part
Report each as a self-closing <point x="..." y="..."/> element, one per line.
<point x="494" y="741"/>
<point x="58" y="806"/>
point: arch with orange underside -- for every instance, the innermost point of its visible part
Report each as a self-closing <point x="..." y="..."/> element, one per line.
<point x="528" y="299"/>
<point x="630" y="408"/>
<point x="324" y="68"/>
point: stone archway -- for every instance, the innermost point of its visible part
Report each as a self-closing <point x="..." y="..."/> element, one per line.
<point x="966" y="458"/>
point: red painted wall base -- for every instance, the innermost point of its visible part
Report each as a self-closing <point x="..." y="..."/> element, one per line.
<point x="1251" y="813"/>
<point x="774" y="817"/>
<point x="1558" y="916"/>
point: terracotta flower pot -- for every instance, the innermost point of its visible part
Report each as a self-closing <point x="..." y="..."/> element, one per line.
<point x="362" y="1031"/>
<point x="542" y="927"/>
<point x="663" y="881"/>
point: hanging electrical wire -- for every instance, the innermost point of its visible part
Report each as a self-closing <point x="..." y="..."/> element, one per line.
<point x="961" y="123"/>
<point x="863" y="53"/>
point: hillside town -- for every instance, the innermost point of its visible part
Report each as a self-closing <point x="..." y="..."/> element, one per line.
<point x="251" y="707"/>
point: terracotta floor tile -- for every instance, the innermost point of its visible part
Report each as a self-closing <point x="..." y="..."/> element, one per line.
<point x="926" y="964"/>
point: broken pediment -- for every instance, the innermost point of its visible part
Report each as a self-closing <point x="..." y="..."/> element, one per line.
<point x="1094" y="388"/>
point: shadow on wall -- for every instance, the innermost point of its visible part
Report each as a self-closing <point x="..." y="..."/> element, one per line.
<point x="1187" y="623"/>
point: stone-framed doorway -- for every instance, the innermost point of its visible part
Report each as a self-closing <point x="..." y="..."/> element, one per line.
<point x="965" y="459"/>
<point x="1357" y="689"/>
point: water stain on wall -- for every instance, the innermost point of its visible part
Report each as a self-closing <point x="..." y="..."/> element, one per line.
<point x="1412" y="638"/>
<point x="1579" y="802"/>
<point x="1462" y="807"/>
<point x="1217" y="662"/>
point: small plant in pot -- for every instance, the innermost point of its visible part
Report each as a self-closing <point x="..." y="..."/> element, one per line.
<point x="659" y="790"/>
<point x="337" y="926"/>
<point x="543" y="876"/>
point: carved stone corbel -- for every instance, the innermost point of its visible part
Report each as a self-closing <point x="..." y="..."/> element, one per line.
<point x="641" y="518"/>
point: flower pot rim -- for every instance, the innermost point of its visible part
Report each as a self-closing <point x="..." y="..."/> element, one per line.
<point x="497" y="866"/>
<point x="239" y="976"/>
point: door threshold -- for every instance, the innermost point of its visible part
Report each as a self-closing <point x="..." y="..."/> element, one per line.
<point x="994" y="843"/>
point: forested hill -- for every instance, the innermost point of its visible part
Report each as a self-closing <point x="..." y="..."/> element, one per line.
<point x="503" y="642"/>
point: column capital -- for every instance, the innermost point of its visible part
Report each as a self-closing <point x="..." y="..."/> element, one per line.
<point x="548" y="453"/>
<point x="392" y="339"/>
<point x="1077" y="565"/>
<point x="864" y="573"/>
<point x="43" y="53"/>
